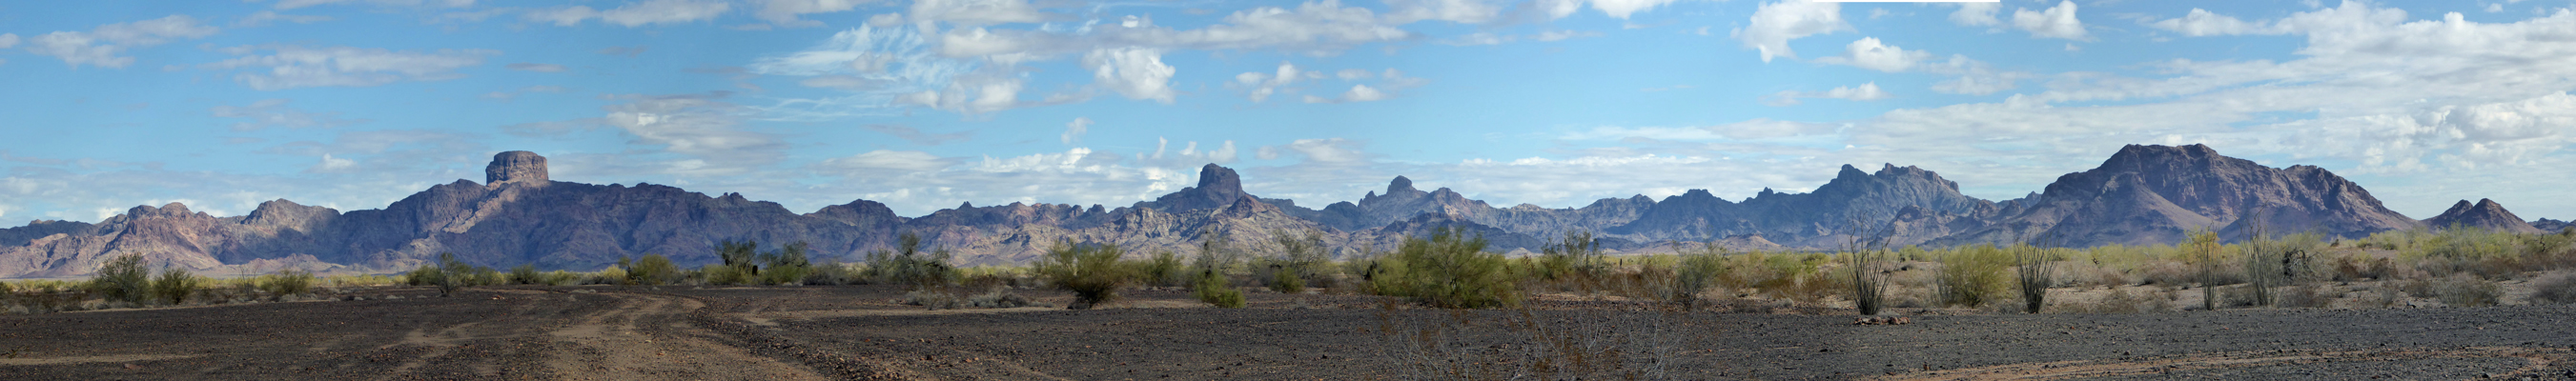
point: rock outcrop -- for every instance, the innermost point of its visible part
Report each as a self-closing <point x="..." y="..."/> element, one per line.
<point x="2485" y="214"/>
<point x="516" y="167"/>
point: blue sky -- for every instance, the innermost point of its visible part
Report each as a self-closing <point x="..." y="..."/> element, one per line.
<point x="926" y="104"/>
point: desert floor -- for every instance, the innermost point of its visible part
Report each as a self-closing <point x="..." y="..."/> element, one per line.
<point x="861" y="332"/>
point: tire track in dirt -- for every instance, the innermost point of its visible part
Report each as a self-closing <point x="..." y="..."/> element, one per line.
<point x="649" y="337"/>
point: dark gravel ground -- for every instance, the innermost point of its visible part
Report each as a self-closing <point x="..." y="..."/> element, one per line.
<point x="860" y="332"/>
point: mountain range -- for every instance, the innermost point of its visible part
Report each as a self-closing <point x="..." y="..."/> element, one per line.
<point x="2144" y="194"/>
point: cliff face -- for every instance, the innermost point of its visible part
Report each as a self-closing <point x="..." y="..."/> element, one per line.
<point x="2154" y="194"/>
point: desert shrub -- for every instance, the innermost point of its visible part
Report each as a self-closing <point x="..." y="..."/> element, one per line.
<point x="2031" y="276"/>
<point x="1972" y="275"/>
<point x="2121" y="301"/>
<point x="1212" y="288"/>
<point x="832" y="273"/>
<point x="1869" y="285"/>
<point x="722" y="274"/>
<point x="287" y="282"/>
<point x="1447" y="271"/>
<point x="2554" y="289"/>
<point x="2353" y="267"/>
<point x="122" y="279"/>
<point x="934" y="299"/>
<point x="1696" y="272"/>
<point x="174" y="285"/>
<point x="1577" y="256"/>
<point x="449" y="274"/>
<point x="653" y="269"/>
<point x="1164" y="270"/>
<point x="998" y="297"/>
<point x="526" y="274"/>
<point x="787" y="266"/>
<point x="2306" y="296"/>
<point x="2464" y="290"/>
<point x="1300" y="258"/>
<point x="2201" y="250"/>
<point x="1091" y="271"/>
<point x="907" y="265"/>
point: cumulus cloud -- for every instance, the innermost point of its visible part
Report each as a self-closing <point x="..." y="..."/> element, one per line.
<point x="292" y="66"/>
<point x="1261" y="85"/>
<point x="1073" y="130"/>
<point x="1775" y="24"/>
<point x="1864" y="92"/>
<point x="1134" y="72"/>
<point x="2055" y="22"/>
<point x="537" y="67"/>
<point x="1357" y="93"/>
<point x="1977" y="14"/>
<point x="1869" y="53"/>
<point x="274" y="113"/>
<point x="1622" y="8"/>
<point x="2448" y="137"/>
<point x="105" y="45"/>
<point x="880" y="66"/>
<point x="636" y="14"/>
<point x="332" y="165"/>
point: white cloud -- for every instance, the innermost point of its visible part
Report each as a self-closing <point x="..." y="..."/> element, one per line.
<point x="1459" y="11"/>
<point x="332" y="165"/>
<point x="8" y="40"/>
<point x="636" y="14"/>
<point x="1869" y="53"/>
<point x="537" y="67"/>
<point x="1073" y="130"/>
<point x="1775" y="23"/>
<point x="297" y="66"/>
<point x="104" y="45"/>
<point x="1262" y="85"/>
<point x="2055" y="22"/>
<point x="514" y="94"/>
<point x="784" y="13"/>
<point x="1977" y="14"/>
<point x="1622" y="8"/>
<point x="1330" y="150"/>
<point x="702" y="127"/>
<point x="1357" y="93"/>
<point x="884" y="161"/>
<point x="293" y="4"/>
<point x="274" y="113"/>
<point x="881" y="66"/>
<point x="1865" y="92"/>
<point x="917" y="137"/>
<point x="1134" y="72"/>
<point x="262" y="18"/>
<point x="2465" y="138"/>
<point x="977" y="12"/>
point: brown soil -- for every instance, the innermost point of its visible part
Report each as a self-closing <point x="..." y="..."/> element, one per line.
<point x="860" y="332"/>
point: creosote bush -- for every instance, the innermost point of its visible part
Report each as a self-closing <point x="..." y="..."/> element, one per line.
<point x="1448" y="271"/>
<point x="907" y="265"/>
<point x="1212" y="288"/>
<point x="1972" y="276"/>
<point x="173" y="286"/>
<point x="1091" y="271"/>
<point x="2554" y="289"/>
<point x="122" y="279"/>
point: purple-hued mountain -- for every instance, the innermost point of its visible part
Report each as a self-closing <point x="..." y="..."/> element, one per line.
<point x="2141" y="195"/>
<point x="2485" y="214"/>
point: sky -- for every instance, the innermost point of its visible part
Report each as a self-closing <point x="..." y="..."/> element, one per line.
<point x="927" y="104"/>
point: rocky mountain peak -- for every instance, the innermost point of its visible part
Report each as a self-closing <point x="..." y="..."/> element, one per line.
<point x="2483" y="214"/>
<point x="1400" y="185"/>
<point x="1220" y="183"/>
<point x="516" y="166"/>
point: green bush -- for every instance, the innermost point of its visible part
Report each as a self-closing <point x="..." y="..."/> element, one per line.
<point x="1300" y="258"/>
<point x="1579" y="255"/>
<point x="1972" y="275"/>
<point x="831" y="273"/>
<point x="287" y="282"/>
<point x="653" y="270"/>
<point x="1092" y="272"/>
<point x="1448" y="271"/>
<point x="1212" y="288"/>
<point x="1697" y="272"/>
<point x="2031" y="276"/>
<point x="122" y="279"/>
<point x="526" y="274"/>
<point x="174" y="285"/>
<point x="787" y="266"/>
<point x="1165" y="270"/>
<point x="2464" y="290"/>
<point x="909" y="266"/>
<point x="450" y="274"/>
